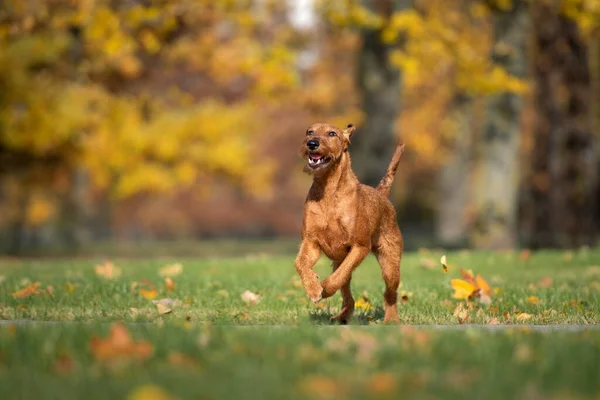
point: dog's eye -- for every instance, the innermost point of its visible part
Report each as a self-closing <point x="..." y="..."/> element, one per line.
<point x="308" y="133"/>
<point x="332" y="133"/>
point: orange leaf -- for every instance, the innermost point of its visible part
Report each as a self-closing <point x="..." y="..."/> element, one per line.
<point x="27" y="291"/>
<point x="170" y="284"/>
<point x="525" y="254"/>
<point x="468" y="276"/>
<point x="533" y="300"/>
<point x="382" y="383"/>
<point x="148" y="294"/>
<point x="484" y="286"/>
<point x="119" y="344"/>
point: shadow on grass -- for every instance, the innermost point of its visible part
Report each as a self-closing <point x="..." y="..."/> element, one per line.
<point x="323" y="317"/>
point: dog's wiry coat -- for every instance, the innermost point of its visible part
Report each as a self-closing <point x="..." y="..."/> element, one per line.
<point x="346" y="220"/>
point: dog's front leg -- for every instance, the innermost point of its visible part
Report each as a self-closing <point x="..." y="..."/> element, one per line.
<point x="342" y="275"/>
<point x="307" y="258"/>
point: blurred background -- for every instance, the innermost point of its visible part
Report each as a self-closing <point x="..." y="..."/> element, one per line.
<point x="133" y="123"/>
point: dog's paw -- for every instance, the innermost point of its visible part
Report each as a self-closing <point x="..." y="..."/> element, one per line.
<point x="315" y="292"/>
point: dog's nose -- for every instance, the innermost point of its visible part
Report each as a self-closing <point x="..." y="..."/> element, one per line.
<point x="312" y="144"/>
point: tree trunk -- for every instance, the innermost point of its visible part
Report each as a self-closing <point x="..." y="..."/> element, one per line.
<point x="563" y="186"/>
<point x="454" y="177"/>
<point x="497" y="181"/>
<point x="380" y="83"/>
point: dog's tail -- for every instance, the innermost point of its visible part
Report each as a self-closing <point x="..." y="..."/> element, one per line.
<point x="388" y="178"/>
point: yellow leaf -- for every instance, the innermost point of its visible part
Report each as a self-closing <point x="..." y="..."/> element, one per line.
<point x="69" y="287"/>
<point x="363" y="303"/>
<point x="533" y="300"/>
<point x="148" y="294"/>
<point x="463" y="290"/>
<point x="149" y="392"/>
<point x="444" y="264"/>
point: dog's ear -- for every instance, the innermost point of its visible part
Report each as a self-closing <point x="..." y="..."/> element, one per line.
<point x="348" y="132"/>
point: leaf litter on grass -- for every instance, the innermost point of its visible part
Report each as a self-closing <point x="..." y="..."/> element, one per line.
<point x="119" y="345"/>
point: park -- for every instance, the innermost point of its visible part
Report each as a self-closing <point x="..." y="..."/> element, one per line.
<point x="171" y="221"/>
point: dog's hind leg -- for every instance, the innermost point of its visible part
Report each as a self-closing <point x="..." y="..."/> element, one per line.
<point x="347" y="301"/>
<point x="389" y="254"/>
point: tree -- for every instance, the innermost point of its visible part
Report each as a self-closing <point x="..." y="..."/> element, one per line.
<point x="562" y="189"/>
<point x="497" y="169"/>
<point x="380" y="84"/>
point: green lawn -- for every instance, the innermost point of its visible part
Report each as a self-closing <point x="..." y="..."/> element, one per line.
<point x="213" y="345"/>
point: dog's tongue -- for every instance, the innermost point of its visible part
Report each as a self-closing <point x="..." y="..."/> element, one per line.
<point x="316" y="156"/>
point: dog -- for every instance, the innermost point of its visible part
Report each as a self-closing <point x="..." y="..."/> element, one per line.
<point x="346" y="220"/>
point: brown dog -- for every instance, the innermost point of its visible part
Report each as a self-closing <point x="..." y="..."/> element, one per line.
<point x="346" y="220"/>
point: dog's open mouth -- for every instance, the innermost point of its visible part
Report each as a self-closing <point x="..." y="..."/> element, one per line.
<point x="317" y="160"/>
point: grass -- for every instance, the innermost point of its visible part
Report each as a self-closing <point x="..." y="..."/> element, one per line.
<point x="213" y="345"/>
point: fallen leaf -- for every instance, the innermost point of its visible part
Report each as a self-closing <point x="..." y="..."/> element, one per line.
<point x="494" y="321"/>
<point x="182" y="360"/>
<point x="165" y="306"/>
<point x="525" y="254"/>
<point x="461" y="313"/>
<point x="169" y="284"/>
<point x="523" y="353"/>
<point x="323" y="387"/>
<point x="521" y="316"/>
<point x="69" y="287"/>
<point x="119" y="345"/>
<point x="444" y="264"/>
<point x="382" y="384"/>
<point x="483" y="285"/>
<point x="463" y="290"/>
<point x="545" y="282"/>
<point x="427" y="263"/>
<point x="50" y="290"/>
<point x="63" y="364"/>
<point x="363" y="303"/>
<point x="485" y="299"/>
<point x="468" y="275"/>
<point x="134" y="312"/>
<point x="149" y="392"/>
<point x="171" y="271"/>
<point x="27" y="291"/>
<point x="249" y="297"/>
<point x="148" y="294"/>
<point x="404" y="298"/>
<point x="533" y="300"/>
<point x="107" y="270"/>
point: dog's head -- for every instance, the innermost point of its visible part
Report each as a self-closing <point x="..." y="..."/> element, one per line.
<point x="324" y="145"/>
